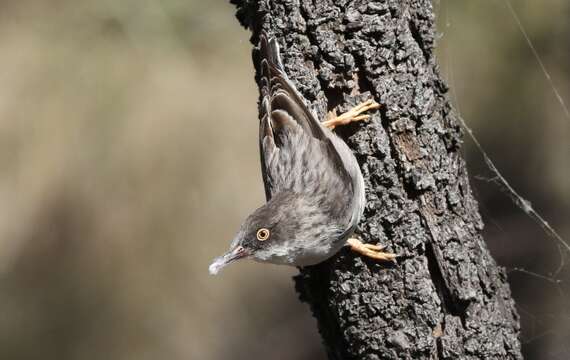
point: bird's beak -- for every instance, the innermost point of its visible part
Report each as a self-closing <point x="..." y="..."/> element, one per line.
<point x="234" y="254"/>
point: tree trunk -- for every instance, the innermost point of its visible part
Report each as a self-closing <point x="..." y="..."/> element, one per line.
<point x="446" y="298"/>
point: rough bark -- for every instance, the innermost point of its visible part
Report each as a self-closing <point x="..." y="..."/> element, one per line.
<point x="446" y="298"/>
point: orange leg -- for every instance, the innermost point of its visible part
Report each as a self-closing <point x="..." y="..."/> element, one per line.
<point x="354" y="114"/>
<point x="372" y="251"/>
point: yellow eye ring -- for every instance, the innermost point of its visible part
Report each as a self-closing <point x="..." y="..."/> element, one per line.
<point x="263" y="234"/>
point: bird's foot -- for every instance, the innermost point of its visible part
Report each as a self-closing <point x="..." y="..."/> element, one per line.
<point x="354" y="114"/>
<point x="372" y="251"/>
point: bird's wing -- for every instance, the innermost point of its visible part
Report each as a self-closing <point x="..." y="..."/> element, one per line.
<point x="293" y="143"/>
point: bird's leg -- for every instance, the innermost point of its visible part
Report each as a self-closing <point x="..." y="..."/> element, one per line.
<point x="354" y="114"/>
<point x="372" y="251"/>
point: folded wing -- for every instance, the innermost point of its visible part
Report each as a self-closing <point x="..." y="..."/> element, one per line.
<point x="297" y="152"/>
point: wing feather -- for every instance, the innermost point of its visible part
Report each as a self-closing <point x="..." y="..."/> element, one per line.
<point x="292" y="140"/>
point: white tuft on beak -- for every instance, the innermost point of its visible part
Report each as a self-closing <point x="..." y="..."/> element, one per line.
<point x="226" y="259"/>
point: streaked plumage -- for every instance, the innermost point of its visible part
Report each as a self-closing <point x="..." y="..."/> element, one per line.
<point x="313" y="184"/>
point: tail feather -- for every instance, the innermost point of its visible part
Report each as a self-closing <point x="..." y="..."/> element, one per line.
<point x="285" y="115"/>
<point x="280" y="93"/>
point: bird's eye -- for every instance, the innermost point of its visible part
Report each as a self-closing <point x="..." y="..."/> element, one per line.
<point x="263" y="234"/>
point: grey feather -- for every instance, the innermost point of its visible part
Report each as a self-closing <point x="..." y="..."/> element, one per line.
<point x="305" y="158"/>
<point x="313" y="184"/>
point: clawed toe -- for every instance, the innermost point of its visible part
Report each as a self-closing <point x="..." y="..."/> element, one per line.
<point x="370" y="250"/>
<point x="354" y="114"/>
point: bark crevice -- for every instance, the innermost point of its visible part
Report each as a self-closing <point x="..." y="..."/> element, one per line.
<point x="450" y="304"/>
<point x="446" y="298"/>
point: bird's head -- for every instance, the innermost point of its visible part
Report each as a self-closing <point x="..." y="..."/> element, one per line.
<point x="269" y="234"/>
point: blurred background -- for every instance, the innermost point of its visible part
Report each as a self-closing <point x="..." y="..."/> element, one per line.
<point x="128" y="137"/>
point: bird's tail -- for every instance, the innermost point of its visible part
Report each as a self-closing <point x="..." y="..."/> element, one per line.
<point x="278" y="94"/>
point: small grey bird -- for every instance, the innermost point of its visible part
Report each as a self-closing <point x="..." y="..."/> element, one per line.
<point x="313" y="184"/>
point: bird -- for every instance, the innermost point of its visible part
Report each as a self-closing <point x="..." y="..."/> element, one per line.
<point x="313" y="184"/>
